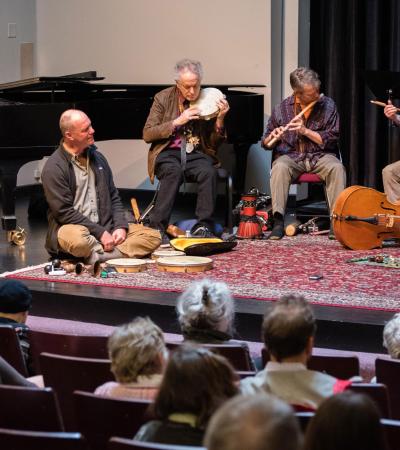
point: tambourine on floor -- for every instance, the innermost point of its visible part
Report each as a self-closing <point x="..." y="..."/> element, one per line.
<point x="185" y="264"/>
<point x="127" y="265"/>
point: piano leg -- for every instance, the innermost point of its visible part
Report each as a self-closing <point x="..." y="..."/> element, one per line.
<point x="8" y="182"/>
<point x="239" y="176"/>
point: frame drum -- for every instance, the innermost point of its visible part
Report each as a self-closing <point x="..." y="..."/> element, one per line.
<point x="184" y="264"/>
<point x="127" y="265"/>
<point x="164" y="253"/>
<point x="207" y="103"/>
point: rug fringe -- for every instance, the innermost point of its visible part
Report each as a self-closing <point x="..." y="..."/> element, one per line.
<point x="25" y="269"/>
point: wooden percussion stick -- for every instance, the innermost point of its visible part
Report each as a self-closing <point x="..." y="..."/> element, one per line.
<point x="376" y="102"/>
<point x="286" y="127"/>
<point x="135" y="209"/>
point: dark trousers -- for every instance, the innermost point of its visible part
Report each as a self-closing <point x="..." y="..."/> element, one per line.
<point x="199" y="169"/>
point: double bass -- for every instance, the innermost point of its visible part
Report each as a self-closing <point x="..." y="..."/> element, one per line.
<point x="363" y="218"/>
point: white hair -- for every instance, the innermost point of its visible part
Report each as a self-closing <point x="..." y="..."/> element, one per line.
<point x="190" y="65"/>
<point x="206" y="304"/>
<point x="391" y="336"/>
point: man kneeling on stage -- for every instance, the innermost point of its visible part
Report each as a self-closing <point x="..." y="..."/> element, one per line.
<point x="86" y="217"/>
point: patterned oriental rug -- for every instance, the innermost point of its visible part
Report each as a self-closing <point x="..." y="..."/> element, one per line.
<point x="265" y="270"/>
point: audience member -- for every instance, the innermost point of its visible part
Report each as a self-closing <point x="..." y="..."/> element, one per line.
<point x="196" y="382"/>
<point x="261" y="422"/>
<point x="15" y="303"/>
<point x="288" y="333"/>
<point x="138" y="355"/>
<point x="391" y="336"/>
<point x="206" y="314"/>
<point x="8" y="375"/>
<point x="346" y="421"/>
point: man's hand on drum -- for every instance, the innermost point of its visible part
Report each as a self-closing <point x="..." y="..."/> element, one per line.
<point x="107" y="241"/>
<point x="119" y="236"/>
<point x="223" y="107"/>
<point x="187" y="115"/>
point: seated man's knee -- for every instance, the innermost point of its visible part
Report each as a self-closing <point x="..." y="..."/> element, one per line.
<point x="279" y="168"/>
<point x="387" y="172"/>
<point x="172" y="172"/>
<point x="76" y="240"/>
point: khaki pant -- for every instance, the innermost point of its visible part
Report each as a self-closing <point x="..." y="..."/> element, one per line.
<point x="77" y="240"/>
<point x="391" y="182"/>
<point x="285" y="170"/>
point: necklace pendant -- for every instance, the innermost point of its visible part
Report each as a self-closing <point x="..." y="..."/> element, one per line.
<point x="189" y="147"/>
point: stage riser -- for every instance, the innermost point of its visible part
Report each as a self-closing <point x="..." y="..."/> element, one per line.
<point x="160" y="307"/>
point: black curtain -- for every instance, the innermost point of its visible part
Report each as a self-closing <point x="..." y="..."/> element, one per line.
<point x="347" y="38"/>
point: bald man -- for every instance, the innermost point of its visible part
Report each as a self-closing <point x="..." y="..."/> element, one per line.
<point x="86" y="217"/>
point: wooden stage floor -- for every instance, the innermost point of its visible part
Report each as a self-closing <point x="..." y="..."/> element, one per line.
<point x="339" y="328"/>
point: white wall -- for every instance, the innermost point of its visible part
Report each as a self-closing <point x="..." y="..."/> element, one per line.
<point x="23" y="14"/>
<point x="138" y="41"/>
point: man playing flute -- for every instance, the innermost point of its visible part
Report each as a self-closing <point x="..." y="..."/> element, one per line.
<point x="391" y="173"/>
<point x="303" y="142"/>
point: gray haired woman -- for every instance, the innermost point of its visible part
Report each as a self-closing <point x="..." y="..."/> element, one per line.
<point x="206" y="313"/>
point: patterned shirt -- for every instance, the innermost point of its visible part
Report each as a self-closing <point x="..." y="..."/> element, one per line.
<point x="323" y="119"/>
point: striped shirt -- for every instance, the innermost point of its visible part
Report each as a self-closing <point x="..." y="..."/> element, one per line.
<point x="323" y="119"/>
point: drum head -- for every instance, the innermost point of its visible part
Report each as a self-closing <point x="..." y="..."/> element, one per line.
<point x="127" y="265"/>
<point x="184" y="264"/>
<point x="207" y="103"/>
<point x="166" y="253"/>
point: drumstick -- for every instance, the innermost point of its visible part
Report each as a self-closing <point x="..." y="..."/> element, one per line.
<point x="376" y="102"/>
<point x="286" y="127"/>
<point x="135" y="209"/>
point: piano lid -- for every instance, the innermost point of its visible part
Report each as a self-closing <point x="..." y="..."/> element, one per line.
<point x="39" y="83"/>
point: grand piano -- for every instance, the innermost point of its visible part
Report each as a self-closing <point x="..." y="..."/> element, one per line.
<point x="30" y="111"/>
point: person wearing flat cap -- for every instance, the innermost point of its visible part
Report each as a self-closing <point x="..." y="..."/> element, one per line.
<point x="15" y="303"/>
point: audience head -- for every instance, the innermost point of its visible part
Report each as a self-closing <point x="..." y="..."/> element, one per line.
<point x="288" y="328"/>
<point x="188" y="75"/>
<point x="344" y="422"/>
<point x="256" y="422"/>
<point x="206" y="305"/>
<point x="15" y="300"/>
<point x="305" y="84"/>
<point x="136" y="348"/>
<point x="391" y="336"/>
<point x="196" y="381"/>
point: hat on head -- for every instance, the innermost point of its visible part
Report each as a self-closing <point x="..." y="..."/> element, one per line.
<point x="15" y="297"/>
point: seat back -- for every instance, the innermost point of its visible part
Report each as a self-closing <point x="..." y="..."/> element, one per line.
<point x="392" y="433"/>
<point x="304" y="418"/>
<point x="342" y="367"/>
<point x="66" y="374"/>
<point x="66" y="344"/>
<point x="387" y="371"/>
<point x="128" y="444"/>
<point x="378" y="392"/>
<point x="10" y="349"/>
<point x="40" y="440"/>
<point x="99" y="418"/>
<point x="237" y="354"/>
<point x="29" y="408"/>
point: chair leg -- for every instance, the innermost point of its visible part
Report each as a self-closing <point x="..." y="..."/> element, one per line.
<point x="229" y="203"/>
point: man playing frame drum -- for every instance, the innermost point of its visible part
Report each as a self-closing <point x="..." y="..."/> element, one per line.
<point x="303" y="132"/>
<point x="184" y="146"/>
